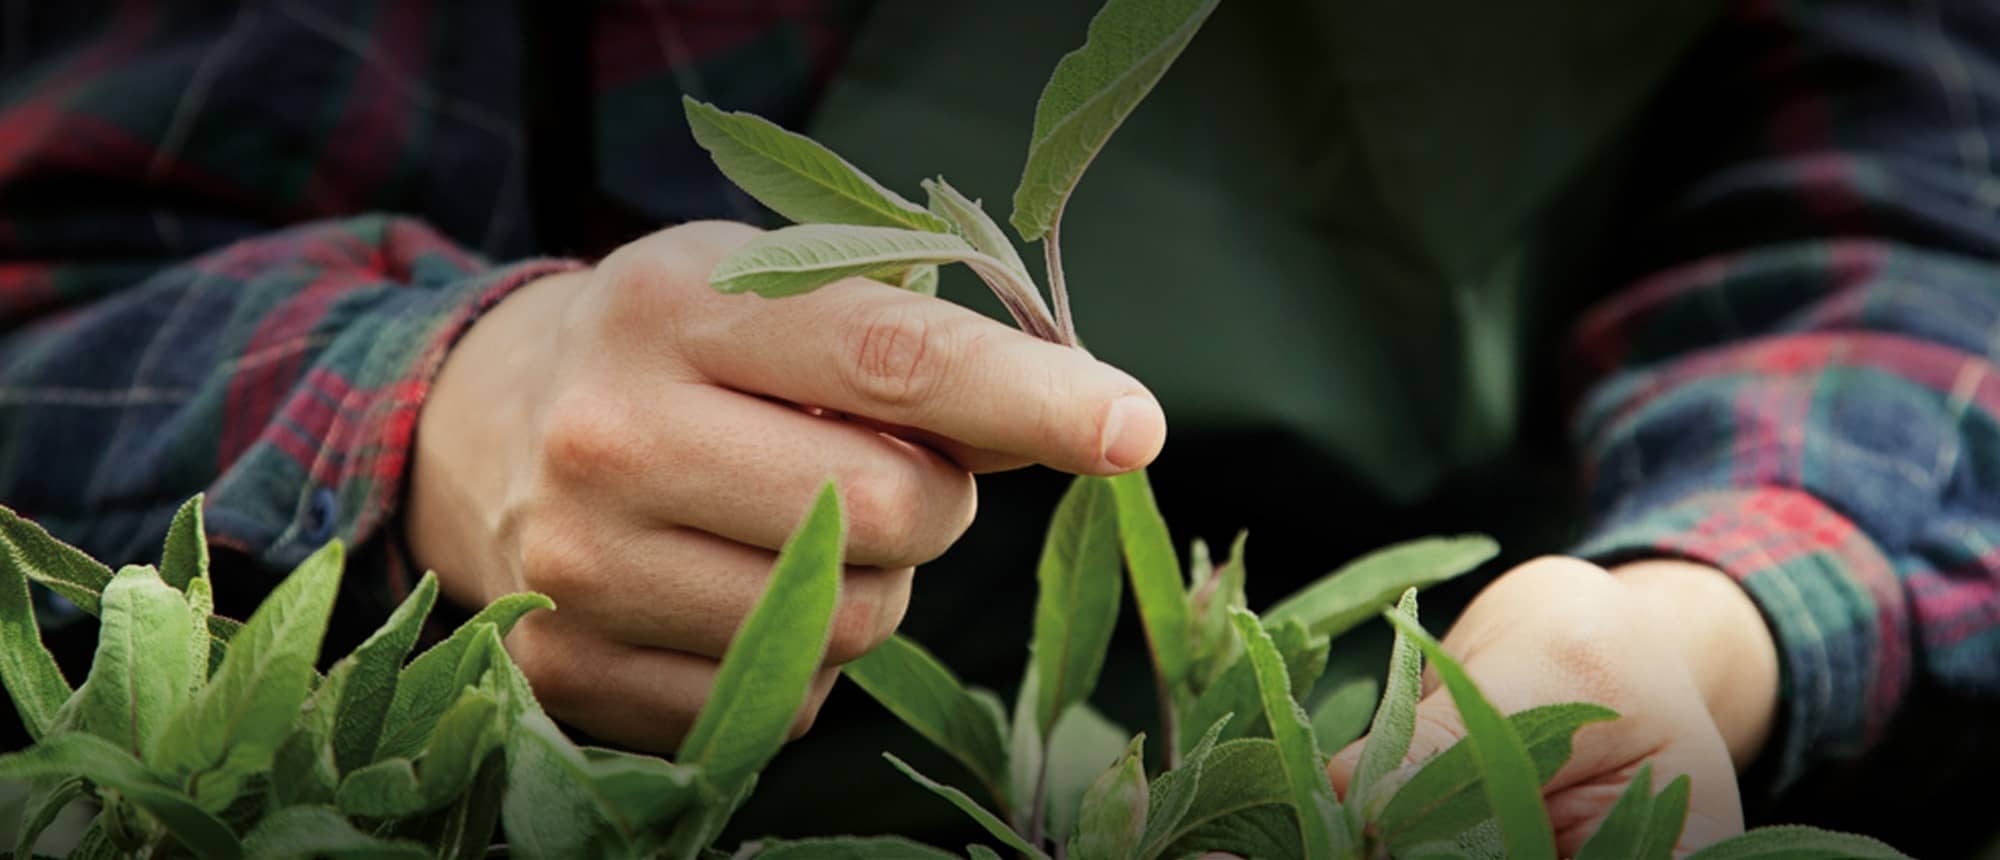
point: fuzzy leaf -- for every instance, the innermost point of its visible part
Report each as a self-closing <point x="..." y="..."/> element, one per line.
<point x="981" y="852"/>
<point x="922" y="280"/>
<point x="771" y="661"/>
<point x="1322" y="826"/>
<point x="1239" y="775"/>
<point x="1623" y="830"/>
<point x="970" y="221"/>
<point x="393" y="788"/>
<point x="62" y="568"/>
<point x="1111" y="823"/>
<point x="1172" y="794"/>
<point x="143" y="673"/>
<point x="565" y="801"/>
<point x="108" y="767"/>
<point x="367" y="676"/>
<point x="302" y="771"/>
<point x="1798" y="843"/>
<point x="430" y="683"/>
<point x="1396" y="719"/>
<point x="1215" y="647"/>
<point x="970" y="807"/>
<point x="201" y="643"/>
<point x="1129" y="46"/>
<point x="1156" y="576"/>
<point x="231" y="729"/>
<point x="1512" y="782"/>
<point x="797" y="177"/>
<point x="47" y="798"/>
<point x="1265" y="830"/>
<point x="1236" y="690"/>
<point x="185" y="557"/>
<point x="1444" y="796"/>
<point x="924" y="694"/>
<point x="1343" y="715"/>
<point x="800" y="259"/>
<point x="307" y="832"/>
<point x="1025" y="751"/>
<point x="1363" y="588"/>
<point x="33" y="680"/>
<point x="1077" y="603"/>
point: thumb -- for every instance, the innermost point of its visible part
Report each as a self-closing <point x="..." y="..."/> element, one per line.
<point x="1436" y="728"/>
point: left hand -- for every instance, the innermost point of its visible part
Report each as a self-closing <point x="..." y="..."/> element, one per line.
<point x="1676" y="648"/>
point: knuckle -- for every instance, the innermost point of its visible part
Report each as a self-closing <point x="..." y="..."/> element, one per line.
<point x="883" y="512"/>
<point x="896" y="357"/>
<point x="540" y="659"/>
<point x="583" y="440"/>
<point x="555" y="562"/>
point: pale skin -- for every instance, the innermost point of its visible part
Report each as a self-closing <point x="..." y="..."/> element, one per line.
<point x="638" y="446"/>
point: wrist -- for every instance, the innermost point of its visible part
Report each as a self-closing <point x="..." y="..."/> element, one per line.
<point x="1722" y="638"/>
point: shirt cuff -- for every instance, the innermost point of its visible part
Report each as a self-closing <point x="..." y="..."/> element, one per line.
<point x="1831" y="597"/>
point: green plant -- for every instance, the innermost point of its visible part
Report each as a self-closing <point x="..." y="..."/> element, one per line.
<point x="194" y="735"/>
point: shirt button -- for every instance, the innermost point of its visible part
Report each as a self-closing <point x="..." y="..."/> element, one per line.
<point x="322" y="512"/>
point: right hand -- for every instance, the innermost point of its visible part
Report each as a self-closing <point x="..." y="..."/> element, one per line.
<point x="636" y="446"/>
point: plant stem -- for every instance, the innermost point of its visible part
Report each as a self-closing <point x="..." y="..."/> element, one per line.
<point x="1039" y="806"/>
<point x="1170" y="722"/>
<point x="1058" y="286"/>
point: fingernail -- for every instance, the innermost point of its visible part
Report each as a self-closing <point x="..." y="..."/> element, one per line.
<point x="1125" y="444"/>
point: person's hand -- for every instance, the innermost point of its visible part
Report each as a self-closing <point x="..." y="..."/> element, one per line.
<point x="636" y="446"/>
<point x="1676" y="648"/>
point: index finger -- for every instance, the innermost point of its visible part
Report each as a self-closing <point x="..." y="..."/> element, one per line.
<point x="873" y="350"/>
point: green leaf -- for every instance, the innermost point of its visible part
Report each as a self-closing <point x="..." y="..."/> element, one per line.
<point x="1623" y="830"/>
<point x="1511" y="780"/>
<point x="1172" y="794"/>
<point x="430" y="683"/>
<point x="308" y="832"/>
<point x="33" y="680"/>
<point x="922" y="280"/>
<point x="795" y="176"/>
<point x="1322" y="826"/>
<point x="1798" y="843"/>
<point x="849" y="848"/>
<point x="1266" y="830"/>
<point x="393" y="788"/>
<point x="1083" y="744"/>
<point x="1209" y="600"/>
<point x="693" y="834"/>
<point x="970" y="807"/>
<point x="1236" y="690"/>
<point x="465" y="829"/>
<point x="201" y="643"/>
<point x="1237" y="776"/>
<point x="1156" y="576"/>
<point x="47" y="798"/>
<point x="981" y="852"/>
<point x="1077" y="604"/>
<point x="924" y="694"/>
<point x="1444" y="796"/>
<point x="771" y="661"/>
<point x="1361" y="589"/>
<point x="302" y="770"/>
<point x="62" y="568"/>
<point x="1129" y="46"/>
<point x="1025" y="751"/>
<point x="1343" y="715"/>
<point x="1396" y="719"/>
<point x="185" y="558"/>
<point x="232" y="727"/>
<point x="143" y="673"/>
<point x="564" y="801"/>
<point x="108" y="767"/>
<point x="1668" y="819"/>
<point x="800" y="259"/>
<point x="367" y="678"/>
<point x="1111" y="823"/>
<point x="970" y="221"/>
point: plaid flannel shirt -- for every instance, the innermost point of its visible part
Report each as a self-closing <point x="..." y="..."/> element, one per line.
<point x="1800" y="390"/>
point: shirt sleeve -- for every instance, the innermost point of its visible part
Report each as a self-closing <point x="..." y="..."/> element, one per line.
<point x="1803" y="391"/>
<point x="282" y="375"/>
